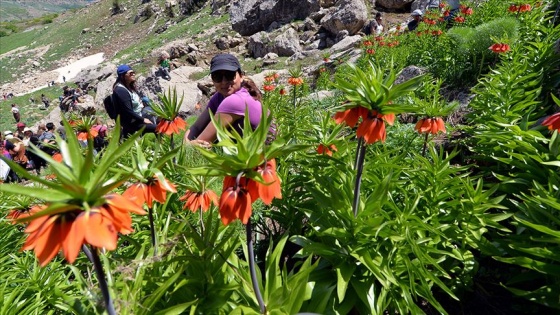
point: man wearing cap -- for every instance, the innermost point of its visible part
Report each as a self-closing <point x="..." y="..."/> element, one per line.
<point x="19" y="131"/>
<point x="235" y="96"/>
<point x="128" y="104"/>
<point x="416" y="18"/>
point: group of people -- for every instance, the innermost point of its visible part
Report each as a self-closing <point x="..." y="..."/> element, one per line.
<point x="14" y="147"/>
<point x="235" y="95"/>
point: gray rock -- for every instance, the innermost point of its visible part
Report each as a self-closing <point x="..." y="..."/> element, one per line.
<point x="248" y="17"/>
<point x="409" y="73"/>
<point x="348" y="15"/>
<point x="259" y="45"/>
<point x="287" y="43"/>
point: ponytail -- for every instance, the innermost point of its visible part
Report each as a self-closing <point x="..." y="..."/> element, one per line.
<point x="252" y="88"/>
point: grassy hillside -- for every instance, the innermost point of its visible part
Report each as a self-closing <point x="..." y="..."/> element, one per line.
<point x="25" y="10"/>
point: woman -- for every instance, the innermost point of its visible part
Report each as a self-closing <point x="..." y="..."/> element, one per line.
<point x="234" y="96"/>
<point x="128" y="104"/>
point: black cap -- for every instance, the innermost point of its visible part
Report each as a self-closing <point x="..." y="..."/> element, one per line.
<point x="224" y="62"/>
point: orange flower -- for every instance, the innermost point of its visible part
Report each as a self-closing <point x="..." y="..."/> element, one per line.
<point x="370" y="51"/>
<point x="83" y="135"/>
<point x="18" y="214"/>
<point x="430" y="125"/>
<point x="499" y="48"/>
<point x="460" y="19"/>
<point x="271" y="189"/>
<point x="68" y="231"/>
<point x="351" y="116"/>
<point x="441" y="5"/>
<point x="235" y="203"/>
<point x="437" y="32"/>
<point x="525" y="8"/>
<point x="328" y="150"/>
<point x="467" y="11"/>
<point x="282" y="91"/>
<point x="552" y="122"/>
<point x="195" y="201"/>
<point x="268" y="87"/>
<point x="153" y="190"/>
<point x="295" y="81"/>
<point x="57" y="157"/>
<point x="171" y="127"/>
<point x="372" y="130"/>
<point x="513" y="8"/>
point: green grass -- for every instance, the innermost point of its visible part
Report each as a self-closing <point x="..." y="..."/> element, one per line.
<point x="30" y="113"/>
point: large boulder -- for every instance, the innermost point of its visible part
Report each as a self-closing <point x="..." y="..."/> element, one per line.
<point x="285" y="44"/>
<point x="349" y="15"/>
<point x="248" y="17"/>
<point x="393" y="4"/>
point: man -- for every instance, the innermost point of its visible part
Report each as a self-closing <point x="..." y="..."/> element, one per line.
<point x="15" y="112"/>
<point x="19" y="132"/>
<point x="47" y="135"/>
<point x="416" y="18"/>
<point x="128" y="104"/>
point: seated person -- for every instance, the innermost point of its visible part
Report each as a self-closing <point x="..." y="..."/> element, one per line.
<point x="375" y="26"/>
<point x="234" y="96"/>
<point x="128" y="104"/>
<point x="416" y="19"/>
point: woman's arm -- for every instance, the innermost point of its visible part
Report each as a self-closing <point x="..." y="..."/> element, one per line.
<point x="224" y="119"/>
<point x="125" y="101"/>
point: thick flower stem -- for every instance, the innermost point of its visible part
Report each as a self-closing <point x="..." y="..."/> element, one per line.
<point x="425" y="144"/>
<point x="360" y="141"/>
<point x="152" y="229"/>
<point x="359" y="170"/>
<point x="295" y="89"/>
<point x="252" y="267"/>
<point x="101" y="278"/>
<point x="201" y="218"/>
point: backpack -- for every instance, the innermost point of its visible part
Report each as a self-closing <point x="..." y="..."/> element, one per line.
<point x="110" y="106"/>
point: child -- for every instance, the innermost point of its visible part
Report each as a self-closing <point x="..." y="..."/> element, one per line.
<point x="164" y="66"/>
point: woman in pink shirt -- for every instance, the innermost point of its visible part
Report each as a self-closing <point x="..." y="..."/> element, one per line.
<point x="234" y="96"/>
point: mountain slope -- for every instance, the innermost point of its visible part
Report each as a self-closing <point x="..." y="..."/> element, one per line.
<point x="21" y="10"/>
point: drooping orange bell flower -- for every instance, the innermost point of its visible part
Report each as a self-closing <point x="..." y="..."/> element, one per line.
<point x="271" y="189"/>
<point x="171" y="127"/>
<point x="525" y="8"/>
<point x="295" y="81"/>
<point x="18" y="214"/>
<point x="70" y="230"/>
<point x="513" y="8"/>
<point x="552" y="122"/>
<point x="269" y="87"/>
<point x="328" y="150"/>
<point x="83" y="135"/>
<point x="430" y="125"/>
<point x="235" y="203"/>
<point x="499" y="48"/>
<point x="156" y="190"/>
<point x="195" y="201"/>
<point x="372" y="130"/>
<point x="351" y="116"/>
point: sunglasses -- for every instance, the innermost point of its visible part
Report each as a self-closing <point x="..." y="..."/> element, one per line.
<point x="218" y="76"/>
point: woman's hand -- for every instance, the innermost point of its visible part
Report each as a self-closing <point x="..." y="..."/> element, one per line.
<point x="147" y="121"/>
<point x="201" y="143"/>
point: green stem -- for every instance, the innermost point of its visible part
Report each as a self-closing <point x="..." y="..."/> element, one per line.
<point x="360" y="141"/>
<point x="252" y="267"/>
<point x="201" y="218"/>
<point x="152" y="229"/>
<point x="359" y="171"/>
<point x="101" y="278"/>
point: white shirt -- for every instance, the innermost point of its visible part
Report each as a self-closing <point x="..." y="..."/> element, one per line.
<point x="15" y="110"/>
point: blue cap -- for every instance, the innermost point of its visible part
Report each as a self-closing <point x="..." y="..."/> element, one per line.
<point x="122" y="69"/>
<point x="145" y="100"/>
<point x="224" y="62"/>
